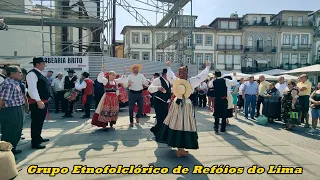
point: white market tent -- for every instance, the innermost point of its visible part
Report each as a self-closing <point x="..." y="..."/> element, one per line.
<point x="288" y="77"/>
<point x="272" y="72"/>
<point x="308" y="69"/>
<point x="267" y="77"/>
<point x="239" y="75"/>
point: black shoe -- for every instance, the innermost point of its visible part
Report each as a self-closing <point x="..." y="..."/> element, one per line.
<point x="15" y="152"/>
<point x="247" y="118"/>
<point x="22" y="138"/>
<point x="44" y="140"/>
<point x="216" y="130"/>
<point x="222" y="130"/>
<point x="38" y="146"/>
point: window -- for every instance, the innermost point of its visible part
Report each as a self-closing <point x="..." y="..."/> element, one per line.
<point x="254" y="20"/>
<point x="135" y="38"/>
<point x="135" y="55"/>
<point x="237" y="59"/>
<point x="224" y="25"/>
<point x="305" y="39"/>
<point x="189" y="59"/>
<point x="250" y="41"/>
<point x="145" y="39"/>
<point x="232" y="25"/>
<point x="263" y="20"/>
<point x="146" y="56"/>
<point x="286" y="39"/>
<point x="303" y="59"/>
<point x="300" y="19"/>
<point x="199" y="58"/>
<point x="199" y="39"/>
<point x="229" y="59"/>
<point x="208" y="40"/>
<point x="260" y="42"/>
<point x="189" y="41"/>
<point x="290" y="21"/>
<point x="269" y="41"/>
<point x="220" y="59"/>
<point x="285" y="58"/>
<point x="159" y="57"/>
<point x="249" y="62"/>
<point x="209" y="58"/>
<point x="294" y="58"/>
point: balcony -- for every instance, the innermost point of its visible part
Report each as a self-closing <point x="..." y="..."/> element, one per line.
<point x="249" y="70"/>
<point x="300" y="47"/>
<point x="227" y="47"/>
<point x="296" y="23"/>
<point x="250" y="49"/>
<point x="259" y="23"/>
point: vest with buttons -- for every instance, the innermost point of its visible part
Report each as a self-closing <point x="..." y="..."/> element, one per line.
<point x="42" y="85"/>
<point x="164" y="96"/>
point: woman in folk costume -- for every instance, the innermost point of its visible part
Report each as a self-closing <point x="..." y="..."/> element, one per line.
<point x="108" y="108"/>
<point x="146" y="101"/>
<point x="123" y="96"/>
<point x="179" y="129"/>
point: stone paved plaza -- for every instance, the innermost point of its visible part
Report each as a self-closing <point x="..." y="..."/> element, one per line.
<point x="76" y="142"/>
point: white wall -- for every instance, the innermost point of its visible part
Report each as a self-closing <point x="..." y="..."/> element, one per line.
<point x="26" y="40"/>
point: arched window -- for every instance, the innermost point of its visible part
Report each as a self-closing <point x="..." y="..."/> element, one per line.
<point x="260" y="42"/>
<point x="269" y="41"/>
<point x="250" y="41"/>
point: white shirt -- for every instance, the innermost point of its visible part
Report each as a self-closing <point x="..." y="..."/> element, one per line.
<point x="137" y="82"/>
<point x="156" y="83"/>
<point x="102" y="79"/>
<point x="281" y="87"/>
<point x="229" y="83"/>
<point x="32" y="81"/>
<point x="194" y="81"/>
<point x="81" y="86"/>
<point x="241" y="89"/>
<point x="57" y="84"/>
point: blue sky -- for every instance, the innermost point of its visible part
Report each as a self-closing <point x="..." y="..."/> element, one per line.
<point x="208" y="10"/>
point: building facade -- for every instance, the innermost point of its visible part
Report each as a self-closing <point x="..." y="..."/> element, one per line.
<point x="259" y="40"/>
<point x="315" y="19"/>
<point x="228" y="43"/>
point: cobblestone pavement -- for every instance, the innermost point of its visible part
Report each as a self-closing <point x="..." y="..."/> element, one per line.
<point x="76" y="142"/>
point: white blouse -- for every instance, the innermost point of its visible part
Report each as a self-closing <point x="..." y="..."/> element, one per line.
<point x="102" y="79"/>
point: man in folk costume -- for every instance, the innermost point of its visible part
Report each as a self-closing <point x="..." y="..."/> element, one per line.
<point x="161" y="88"/>
<point x="135" y="84"/>
<point x="221" y="86"/>
<point x="123" y="96"/>
<point x="38" y="95"/>
<point x="69" y="84"/>
<point x="87" y="90"/>
<point x="108" y="108"/>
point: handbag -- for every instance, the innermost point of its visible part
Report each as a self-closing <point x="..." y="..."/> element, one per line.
<point x="294" y="115"/>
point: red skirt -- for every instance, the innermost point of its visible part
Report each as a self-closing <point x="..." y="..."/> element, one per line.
<point x="146" y="103"/>
<point x="123" y="96"/>
<point x="107" y="110"/>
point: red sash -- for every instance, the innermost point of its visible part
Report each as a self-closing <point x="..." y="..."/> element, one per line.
<point x="32" y="101"/>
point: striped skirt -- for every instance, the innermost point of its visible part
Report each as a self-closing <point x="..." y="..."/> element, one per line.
<point x="179" y="129"/>
<point x="107" y="110"/>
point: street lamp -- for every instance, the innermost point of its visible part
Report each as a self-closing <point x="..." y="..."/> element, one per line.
<point x="3" y="25"/>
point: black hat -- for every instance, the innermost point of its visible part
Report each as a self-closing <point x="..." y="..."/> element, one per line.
<point x="164" y="71"/>
<point x="86" y="74"/>
<point x="37" y="60"/>
<point x="156" y="74"/>
<point x="71" y="71"/>
<point x="217" y="73"/>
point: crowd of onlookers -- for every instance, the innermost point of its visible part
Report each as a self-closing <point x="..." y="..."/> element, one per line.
<point x="289" y="101"/>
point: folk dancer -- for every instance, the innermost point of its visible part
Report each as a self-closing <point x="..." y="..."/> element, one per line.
<point x="12" y="108"/>
<point x="155" y="75"/>
<point x="98" y="92"/>
<point x="38" y="95"/>
<point x="123" y="95"/>
<point x="135" y="84"/>
<point x="57" y="86"/>
<point x="108" y="108"/>
<point x="161" y="88"/>
<point x="222" y="88"/>
<point x="69" y="84"/>
<point x="179" y="129"/>
<point x="146" y="101"/>
<point x="86" y="87"/>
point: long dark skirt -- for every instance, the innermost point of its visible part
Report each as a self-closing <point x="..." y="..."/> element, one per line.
<point x="271" y="109"/>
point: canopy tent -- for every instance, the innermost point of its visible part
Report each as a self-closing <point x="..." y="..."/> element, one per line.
<point x="272" y="72"/>
<point x="308" y="69"/>
<point x="288" y="77"/>
<point x="239" y="75"/>
<point x="267" y="77"/>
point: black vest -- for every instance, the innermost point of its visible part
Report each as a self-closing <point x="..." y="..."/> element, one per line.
<point x="164" y="96"/>
<point x="42" y="85"/>
<point x="220" y="88"/>
<point x="69" y="84"/>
